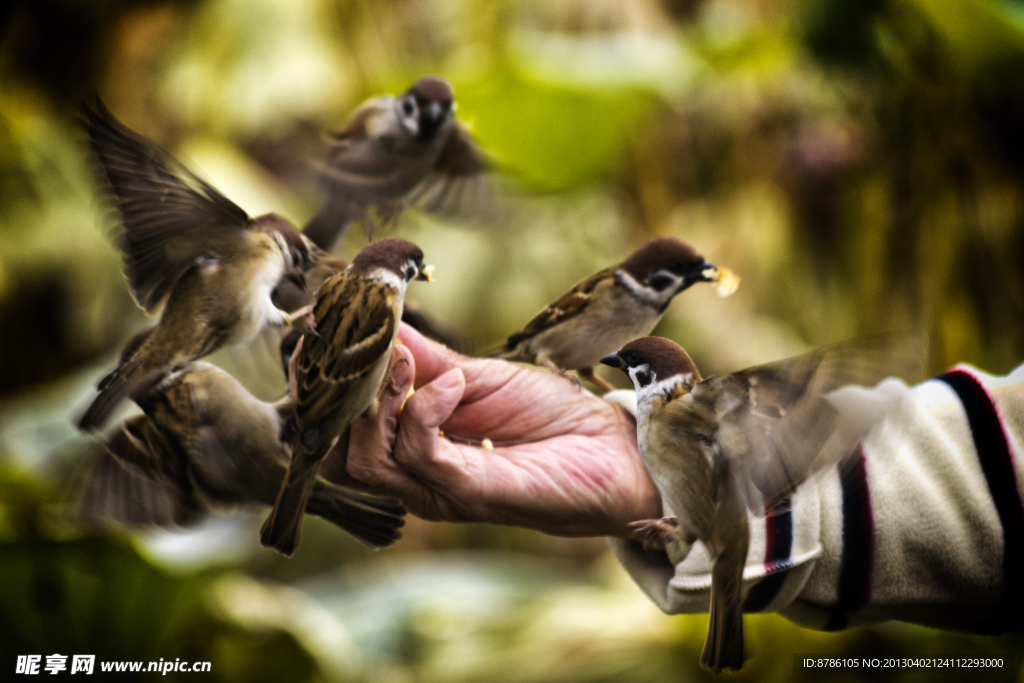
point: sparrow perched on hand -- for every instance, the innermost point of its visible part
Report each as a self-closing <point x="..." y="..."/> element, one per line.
<point x="610" y="308"/>
<point x="186" y="243"/>
<point x="205" y="441"/>
<point x="718" y="446"/>
<point x="392" y="152"/>
<point x="340" y="370"/>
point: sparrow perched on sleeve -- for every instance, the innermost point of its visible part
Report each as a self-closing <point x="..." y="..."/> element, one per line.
<point x="206" y="442"/>
<point x="610" y="308"/>
<point x="186" y="243"/>
<point x="394" y="151"/>
<point x="718" y="446"/>
<point x="339" y="371"/>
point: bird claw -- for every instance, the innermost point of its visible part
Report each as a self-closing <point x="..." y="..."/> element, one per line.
<point x="302" y="319"/>
<point x="589" y="375"/>
<point x="655" y="534"/>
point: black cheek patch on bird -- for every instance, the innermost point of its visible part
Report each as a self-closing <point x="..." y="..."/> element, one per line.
<point x="643" y="378"/>
<point x="660" y="282"/>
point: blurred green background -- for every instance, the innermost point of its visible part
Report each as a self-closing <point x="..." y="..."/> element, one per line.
<point x="860" y="163"/>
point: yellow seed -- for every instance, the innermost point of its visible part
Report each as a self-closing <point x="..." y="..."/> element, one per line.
<point x="487" y="445"/>
<point x="726" y="282"/>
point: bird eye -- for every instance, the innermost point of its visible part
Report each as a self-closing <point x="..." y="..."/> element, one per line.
<point x="632" y="358"/>
<point x="660" y="282"/>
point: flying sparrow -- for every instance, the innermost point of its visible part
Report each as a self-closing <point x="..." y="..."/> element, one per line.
<point x="186" y="243"/>
<point x="610" y="308"/>
<point x="718" y="446"/>
<point x="339" y="370"/>
<point x="206" y="442"/>
<point x="394" y="151"/>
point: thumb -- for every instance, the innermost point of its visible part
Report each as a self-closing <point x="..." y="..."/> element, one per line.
<point x="416" y="447"/>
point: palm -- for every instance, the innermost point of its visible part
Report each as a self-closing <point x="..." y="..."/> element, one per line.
<point x="564" y="461"/>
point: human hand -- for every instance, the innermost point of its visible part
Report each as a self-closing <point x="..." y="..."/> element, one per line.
<point x="564" y="461"/>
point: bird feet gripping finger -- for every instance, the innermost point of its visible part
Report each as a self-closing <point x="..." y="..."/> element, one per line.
<point x="302" y="319"/>
<point x="546" y="362"/>
<point x="655" y="534"/>
<point x="589" y="375"/>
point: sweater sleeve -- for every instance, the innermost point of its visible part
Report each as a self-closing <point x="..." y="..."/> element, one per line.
<point x="921" y="524"/>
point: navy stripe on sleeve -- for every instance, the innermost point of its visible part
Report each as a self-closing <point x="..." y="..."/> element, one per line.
<point x="777" y="558"/>
<point x="997" y="464"/>
<point x="858" y="557"/>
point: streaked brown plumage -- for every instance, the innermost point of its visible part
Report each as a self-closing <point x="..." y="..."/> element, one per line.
<point x="608" y="309"/>
<point x="395" y="151"/>
<point x="339" y="371"/>
<point x="188" y="245"/>
<point x="718" y="446"/>
<point x="205" y="442"/>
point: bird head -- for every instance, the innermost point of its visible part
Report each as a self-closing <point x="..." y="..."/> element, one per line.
<point x="426" y="106"/>
<point x="654" y="361"/>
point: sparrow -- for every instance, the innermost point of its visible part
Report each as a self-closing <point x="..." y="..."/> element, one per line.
<point x="612" y="307"/>
<point x="715" y="447"/>
<point x="340" y="370"/>
<point x="186" y="244"/>
<point x="205" y="442"/>
<point x="394" y="151"/>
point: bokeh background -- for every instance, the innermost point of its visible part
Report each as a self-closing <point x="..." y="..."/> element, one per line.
<point x="860" y="163"/>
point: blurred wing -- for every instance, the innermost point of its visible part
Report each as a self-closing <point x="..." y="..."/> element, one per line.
<point x="124" y="485"/>
<point x="355" y="323"/>
<point x="776" y="427"/>
<point x="571" y="304"/>
<point x="361" y="171"/>
<point x="458" y="184"/>
<point x="170" y="218"/>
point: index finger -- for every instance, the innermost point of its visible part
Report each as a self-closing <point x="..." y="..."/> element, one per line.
<point x="432" y="359"/>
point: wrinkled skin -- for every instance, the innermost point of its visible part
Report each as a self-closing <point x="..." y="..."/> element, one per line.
<point x="564" y="461"/>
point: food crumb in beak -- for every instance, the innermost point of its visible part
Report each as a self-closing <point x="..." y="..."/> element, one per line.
<point x="726" y="281"/>
<point x="428" y="272"/>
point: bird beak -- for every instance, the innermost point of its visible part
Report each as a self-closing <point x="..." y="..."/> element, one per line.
<point x="725" y="280"/>
<point x="426" y="273"/>
<point x="613" y="360"/>
<point x="706" y="272"/>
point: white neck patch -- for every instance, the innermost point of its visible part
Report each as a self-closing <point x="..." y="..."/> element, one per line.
<point x="663" y="388"/>
<point x="645" y="293"/>
<point x="389" y="278"/>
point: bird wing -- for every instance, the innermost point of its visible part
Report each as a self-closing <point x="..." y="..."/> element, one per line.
<point x="170" y="216"/>
<point x="127" y="482"/>
<point x="355" y="323"/>
<point x="569" y="305"/>
<point x="775" y="424"/>
<point x="459" y="184"/>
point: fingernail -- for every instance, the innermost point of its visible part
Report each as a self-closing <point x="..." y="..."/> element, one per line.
<point x="448" y="380"/>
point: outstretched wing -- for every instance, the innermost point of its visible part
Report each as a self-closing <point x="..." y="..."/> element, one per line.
<point x="776" y="424"/>
<point x="459" y="183"/>
<point x="170" y="216"/>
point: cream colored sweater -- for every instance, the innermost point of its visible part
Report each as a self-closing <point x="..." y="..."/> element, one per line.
<point x="923" y="525"/>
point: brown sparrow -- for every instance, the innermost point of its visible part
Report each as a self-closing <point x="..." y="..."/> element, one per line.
<point x="205" y="441"/>
<point x="339" y="370"/>
<point x="394" y="151"/>
<point x="610" y="308"/>
<point x="185" y="243"/>
<point x="718" y="446"/>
